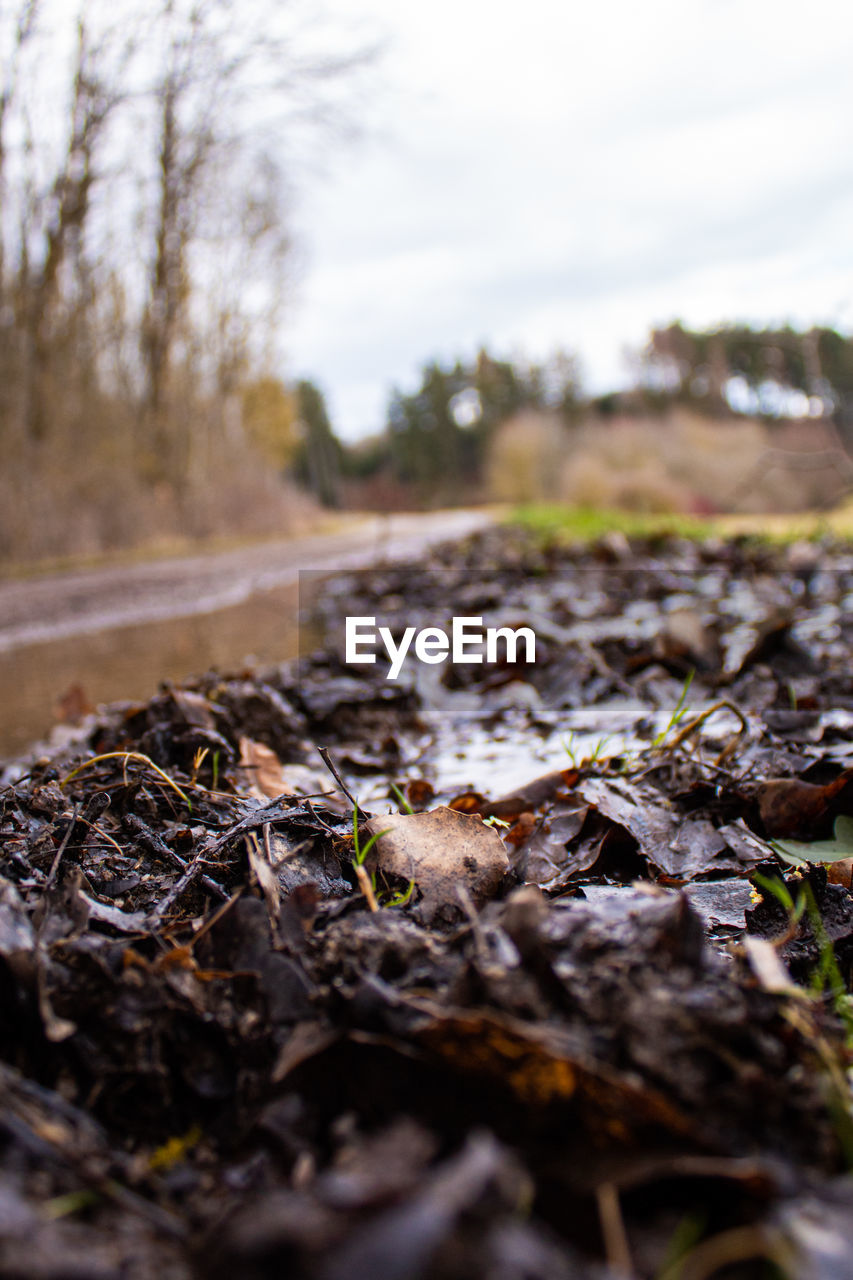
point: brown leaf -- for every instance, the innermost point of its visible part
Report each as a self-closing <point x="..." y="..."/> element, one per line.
<point x="440" y="850"/>
<point x="72" y="706"/>
<point x="544" y="857"/>
<point x="542" y="1067"/>
<point x="468" y="802"/>
<point x="269" y="778"/>
<point x="266" y="769"/>
<point x="841" y="872"/>
<point x="532" y="796"/>
<point x="419" y="792"/>
<point x="793" y="809"/>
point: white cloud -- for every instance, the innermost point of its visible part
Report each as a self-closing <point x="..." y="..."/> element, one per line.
<point x="568" y="174"/>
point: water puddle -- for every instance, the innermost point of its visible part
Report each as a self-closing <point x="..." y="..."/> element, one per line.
<point x="499" y="759"/>
<point x="131" y="662"/>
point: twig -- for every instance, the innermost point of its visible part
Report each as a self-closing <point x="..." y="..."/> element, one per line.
<point x="615" y="1237"/>
<point x="181" y="884"/>
<point x="366" y="887"/>
<point x="57" y="858"/>
<point x="692" y="725"/>
<point x="157" y="847"/>
<point x="327" y="761"/>
<point x="481" y="946"/>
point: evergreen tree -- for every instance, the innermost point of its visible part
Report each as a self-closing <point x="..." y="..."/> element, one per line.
<point x="439" y="435"/>
<point x="318" y="459"/>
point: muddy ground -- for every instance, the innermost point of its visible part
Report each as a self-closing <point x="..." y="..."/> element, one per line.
<point x="568" y="999"/>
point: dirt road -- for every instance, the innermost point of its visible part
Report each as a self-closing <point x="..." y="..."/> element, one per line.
<point x="61" y="606"/>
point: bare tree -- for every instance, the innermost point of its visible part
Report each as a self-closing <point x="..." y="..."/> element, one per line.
<point x="94" y="97"/>
<point x="144" y="237"/>
<point x="22" y="26"/>
<point x="218" y="80"/>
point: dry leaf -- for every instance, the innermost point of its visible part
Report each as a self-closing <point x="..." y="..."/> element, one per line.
<point x="269" y="778"/>
<point x="841" y="872"/>
<point x="440" y="851"/>
<point x="790" y="807"/>
<point x="267" y="782"/>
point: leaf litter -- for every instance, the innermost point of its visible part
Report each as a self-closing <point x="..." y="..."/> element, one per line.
<point x="597" y="1023"/>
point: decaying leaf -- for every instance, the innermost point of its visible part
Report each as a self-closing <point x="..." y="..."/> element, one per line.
<point x="533" y="795"/>
<point x="182" y="956"/>
<point x="839" y="849"/>
<point x="542" y="1068"/>
<point x="790" y="807"/>
<point x="440" y="850"/>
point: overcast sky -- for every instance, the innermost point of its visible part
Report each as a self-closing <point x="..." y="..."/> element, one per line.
<point x="558" y="173"/>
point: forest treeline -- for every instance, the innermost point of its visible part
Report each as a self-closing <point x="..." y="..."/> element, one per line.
<point x="493" y="428"/>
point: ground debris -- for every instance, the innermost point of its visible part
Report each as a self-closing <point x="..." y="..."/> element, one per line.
<point x="548" y="1051"/>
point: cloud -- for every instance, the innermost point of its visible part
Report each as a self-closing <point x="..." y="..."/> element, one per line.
<point x="569" y="175"/>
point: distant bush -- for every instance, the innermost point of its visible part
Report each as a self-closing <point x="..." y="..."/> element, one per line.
<point x="525" y="456"/>
<point x="683" y="462"/>
<point x="71" y="503"/>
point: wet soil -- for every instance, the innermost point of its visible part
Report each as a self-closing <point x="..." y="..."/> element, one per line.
<point x="566" y="997"/>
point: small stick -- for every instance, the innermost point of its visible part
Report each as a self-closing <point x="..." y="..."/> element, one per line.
<point x="477" y="932"/>
<point x="327" y="761"/>
<point x="366" y="887"/>
<point x="54" y="866"/>
<point x="616" y="1247"/>
<point x="360" y="873"/>
<point x="696" y="723"/>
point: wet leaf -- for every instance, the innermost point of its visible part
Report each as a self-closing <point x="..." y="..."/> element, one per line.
<point x="790" y="807"/>
<point x="542" y="1068"/>
<point x="839" y="848"/>
<point x="530" y="797"/>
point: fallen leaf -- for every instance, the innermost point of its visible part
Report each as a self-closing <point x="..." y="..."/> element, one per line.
<point x="440" y="850"/>
<point x="541" y="1067"/>
<point x="468" y="802"/>
<point x="841" y="872"/>
<point x="267" y="781"/>
<point x="269" y="778"/>
<point x="839" y="849"/>
<point x="532" y="796"/>
<point x="544" y="857"/>
<point x="419" y="792"/>
<point x="72" y="706"/>
<point x="792" y="808"/>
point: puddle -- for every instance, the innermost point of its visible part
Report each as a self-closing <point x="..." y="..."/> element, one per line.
<point x="498" y="760"/>
<point x="117" y="632"/>
<point x="128" y="663"/>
